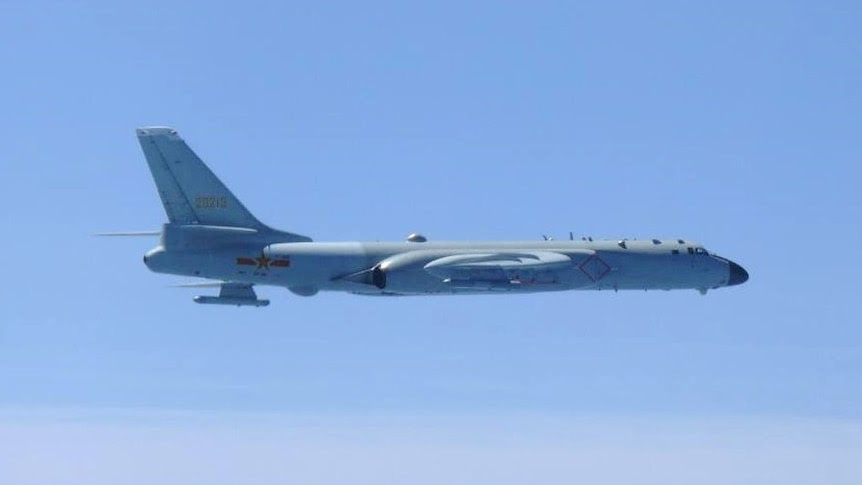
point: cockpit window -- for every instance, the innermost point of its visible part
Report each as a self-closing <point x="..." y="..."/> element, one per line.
<point x="700" y="251"/>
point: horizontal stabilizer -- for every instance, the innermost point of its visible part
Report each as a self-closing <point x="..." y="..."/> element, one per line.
<point x="200" y="284"/>
<point x="128" y="234"/>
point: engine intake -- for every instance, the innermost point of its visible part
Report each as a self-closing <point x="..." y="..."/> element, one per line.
<point x="378" y="277"/>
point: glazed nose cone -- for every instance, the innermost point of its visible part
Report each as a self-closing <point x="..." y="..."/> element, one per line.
<point x="738" y="275"/>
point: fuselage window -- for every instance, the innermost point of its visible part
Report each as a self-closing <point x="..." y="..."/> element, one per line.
<point x="674" y="251"/>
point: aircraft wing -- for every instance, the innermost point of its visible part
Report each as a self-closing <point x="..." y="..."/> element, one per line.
<point x="505" y="268"/>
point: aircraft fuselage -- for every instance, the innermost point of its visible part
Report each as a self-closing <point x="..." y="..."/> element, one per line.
<point x="422" y="268"/>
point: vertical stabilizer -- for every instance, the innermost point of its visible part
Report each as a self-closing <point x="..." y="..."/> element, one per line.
<point x="190" y="191"/>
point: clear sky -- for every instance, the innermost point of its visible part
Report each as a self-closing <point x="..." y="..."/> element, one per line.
<point x="732" y="123"/>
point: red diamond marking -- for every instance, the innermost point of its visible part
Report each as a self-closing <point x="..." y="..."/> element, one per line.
<point x="595" y="268"/>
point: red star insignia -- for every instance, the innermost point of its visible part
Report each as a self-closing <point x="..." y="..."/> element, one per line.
<point x="262" y="262"/>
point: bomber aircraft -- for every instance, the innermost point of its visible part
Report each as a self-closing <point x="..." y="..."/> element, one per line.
<point x="210" y="234"/>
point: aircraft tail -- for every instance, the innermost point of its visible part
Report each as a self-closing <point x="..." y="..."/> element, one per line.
<point x="190" y="192"/>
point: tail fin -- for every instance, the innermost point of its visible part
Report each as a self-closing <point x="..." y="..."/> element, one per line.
<point x="190" y="192"/>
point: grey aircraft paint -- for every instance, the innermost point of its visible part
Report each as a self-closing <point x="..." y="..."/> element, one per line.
<point x="210" y="234"/>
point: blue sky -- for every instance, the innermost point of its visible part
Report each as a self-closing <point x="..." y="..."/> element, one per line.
<point x="734" y="124"/>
